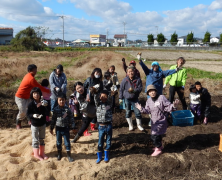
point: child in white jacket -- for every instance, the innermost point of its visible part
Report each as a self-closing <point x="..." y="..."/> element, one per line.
<point x="195" y="103"/>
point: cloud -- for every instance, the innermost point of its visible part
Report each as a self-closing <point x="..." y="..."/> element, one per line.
<point x="61" y="1"/>
<point x="216" y="5"/>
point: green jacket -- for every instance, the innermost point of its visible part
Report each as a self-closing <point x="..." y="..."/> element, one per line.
<point x="177" y="79"/>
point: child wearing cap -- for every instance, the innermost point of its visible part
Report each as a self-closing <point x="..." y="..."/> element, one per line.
<point x="158" y="106"/>
<point x="195" y="103"/>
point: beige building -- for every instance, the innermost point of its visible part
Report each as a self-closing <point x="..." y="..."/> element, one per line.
<point x="6" y="35"/>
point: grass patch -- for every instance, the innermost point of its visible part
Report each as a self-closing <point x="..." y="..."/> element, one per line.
<point x="42" y="72"/>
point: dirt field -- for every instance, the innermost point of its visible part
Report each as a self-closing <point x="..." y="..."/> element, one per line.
<point x="189" y="152"/>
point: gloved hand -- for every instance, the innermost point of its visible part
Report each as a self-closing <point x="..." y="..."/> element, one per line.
<point x="57" y="89"/>
<point x="131" y="90"/>
<point x="120" y="101"/>
<point x="44" y="102"/>
<point x="37" y="116"/>
<point x="164" y="86"/>
<point x="175" y="103"/>
<point x="123" y="59"/>
<point x="138" y="106"/>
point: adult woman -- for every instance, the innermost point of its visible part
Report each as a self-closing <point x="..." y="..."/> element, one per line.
<point x="94" y="84"/>
<point x="58" y="83"/>
<point x="87" y="117"/>
<point x="177" y="82"/>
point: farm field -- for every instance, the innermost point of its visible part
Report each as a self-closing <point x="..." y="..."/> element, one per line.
<point x="189" y="152"/>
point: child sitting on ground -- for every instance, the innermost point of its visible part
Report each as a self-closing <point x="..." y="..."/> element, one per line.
<point x="37" y="115"/>
<point x="46" y="96"/>
<point x="158" y="106"/>
<point x="195" y="103"/>
<point x="72" y="104"/>
<point x="103" y="104"/>
<point x="62" y="118"/>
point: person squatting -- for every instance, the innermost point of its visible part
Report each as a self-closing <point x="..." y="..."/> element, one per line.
<point x="94" y="102"/>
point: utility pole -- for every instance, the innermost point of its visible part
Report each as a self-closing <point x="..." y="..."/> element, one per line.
<point x="107" y="34"/>
<point x="156" y="30"/>
<point x="63" y="27"/>
<point x="124" y="24"/>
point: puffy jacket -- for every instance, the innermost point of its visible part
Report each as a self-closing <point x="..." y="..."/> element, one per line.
<point x="155" y="77"/>
<point x="103" y="110"/>
<point x="107" y="86"/>
<point x="57" y="81"/>
<point x="178" y="79"/>
<point x="58" y="120"/>
<point x="126" y="83"/>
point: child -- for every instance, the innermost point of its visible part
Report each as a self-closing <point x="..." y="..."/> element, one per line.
<point x="157" y="106"/>
<point x="37" y="115"/>
<point x="195" y="103"/>
<point x="115" y="81"/>
<point x="46" y="96"/>
<point x="107" y="83"/>
<point x="104" y="118"/>
<point x="72" y="105"/>
<point x="62" y="118"/>
<point x="205" y="99"/>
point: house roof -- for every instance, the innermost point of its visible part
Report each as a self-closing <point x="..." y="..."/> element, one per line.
<point x="120" y="36"/>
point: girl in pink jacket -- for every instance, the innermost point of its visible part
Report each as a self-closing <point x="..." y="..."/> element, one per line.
<point x="158" y="106"/>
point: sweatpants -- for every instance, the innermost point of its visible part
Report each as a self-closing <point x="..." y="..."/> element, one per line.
<point x="180" y="92"/>
<point x="22" y="106"/>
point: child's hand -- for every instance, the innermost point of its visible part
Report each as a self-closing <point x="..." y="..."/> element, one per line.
<point x="75" y="101"/>
<point x="138" y="106"/>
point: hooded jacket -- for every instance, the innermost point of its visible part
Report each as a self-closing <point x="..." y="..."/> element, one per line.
<point x="178" y="79"/>
<point x="57" y="81"/>
<point x="126" y="83"/>
<point x="156" y="77"/>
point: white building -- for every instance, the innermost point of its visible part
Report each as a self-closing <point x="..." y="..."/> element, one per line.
<point x="120" y="40"/>
<point x="98" y="39"/>
<point x="214" y="40"/>
<point x="182" y="40"/>
<point x="6" y="35"/>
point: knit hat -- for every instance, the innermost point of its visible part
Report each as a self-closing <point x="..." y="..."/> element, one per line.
<point x="151" y="87"/>
<point x="130" y="67"/>
<point x="157" y="64"/>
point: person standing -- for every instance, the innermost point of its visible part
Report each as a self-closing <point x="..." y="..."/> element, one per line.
<point x="58" y="83"/>
<point x="22" y="96"/>
<point x="130" y="89"/>
<point x="177" y="82"/>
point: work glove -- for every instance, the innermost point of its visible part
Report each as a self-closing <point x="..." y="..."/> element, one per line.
<point x="175" y="103"/>
<point x="123" y="59"/>
<point x="164" y="86"/>
<point x="57" y="89"/>
<point x="131" y="90"/>
<point x="120" y="101"/>
<point x="37" y="116"/>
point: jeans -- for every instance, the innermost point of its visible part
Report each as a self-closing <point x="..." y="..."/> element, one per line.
<point x="196" y="110"/>
<point x="157" y="140"/>
<point x="54" y="103"/>
<point x="180" y="92"/>
<point x="63" y="132"/>
<point x="128" y="103"/>
<point x="85" y="124"/>
<point x="105" y="131"/>
<point x="22" y="106"/>
<point x="38" y="136"/>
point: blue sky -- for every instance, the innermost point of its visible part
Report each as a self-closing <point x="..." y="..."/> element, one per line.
<point x="84" y="17"/>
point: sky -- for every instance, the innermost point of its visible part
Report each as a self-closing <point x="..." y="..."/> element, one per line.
<point x="141" y="17"/>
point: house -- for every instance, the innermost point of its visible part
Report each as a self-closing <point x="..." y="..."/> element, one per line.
<point x="214" y="40"/>
<point x="6" y="35"/>
<point x="98" y="40"/>
<point x="156" y="43"/>
<point x="120" y="40"/>
<point x="182" y="40"/>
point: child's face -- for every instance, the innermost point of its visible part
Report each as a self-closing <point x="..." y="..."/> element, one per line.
<point x="198" y="87"/>
<point x="61" y="102"/>
<point x="152" y="93"/>
<point x="36" y="96"/>
<point x="194" y="90"/>
<point x="80" y="89"/>
<point x="103" y="97"/>
<point x="111" y="70"/>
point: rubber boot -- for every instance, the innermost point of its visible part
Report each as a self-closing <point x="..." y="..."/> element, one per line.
<point x="59" y="155"/>
<point x="86" y="133"/>
<point x="36" y="154"/>
<point x="157" y="151"/>
<point x="106" y="158"/>
<point x="18" y="124"/>
<point x="99" y="155"/>
<point x="76" y="138"/>
<point x="69" y="156"/>
<point x="139" y="125"/>
<point x="130" y="122"/>
<point x="92" y="125"/>
<point x="42" y="152"/>
<point x="205" y="121"/>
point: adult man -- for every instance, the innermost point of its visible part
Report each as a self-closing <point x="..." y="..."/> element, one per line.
<point x="58" y="83"/>
<point x="177" y="82"/>
<point x="130" y="88"/>
<point x="22" y="96"/>
<point x="132" y="63"/>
